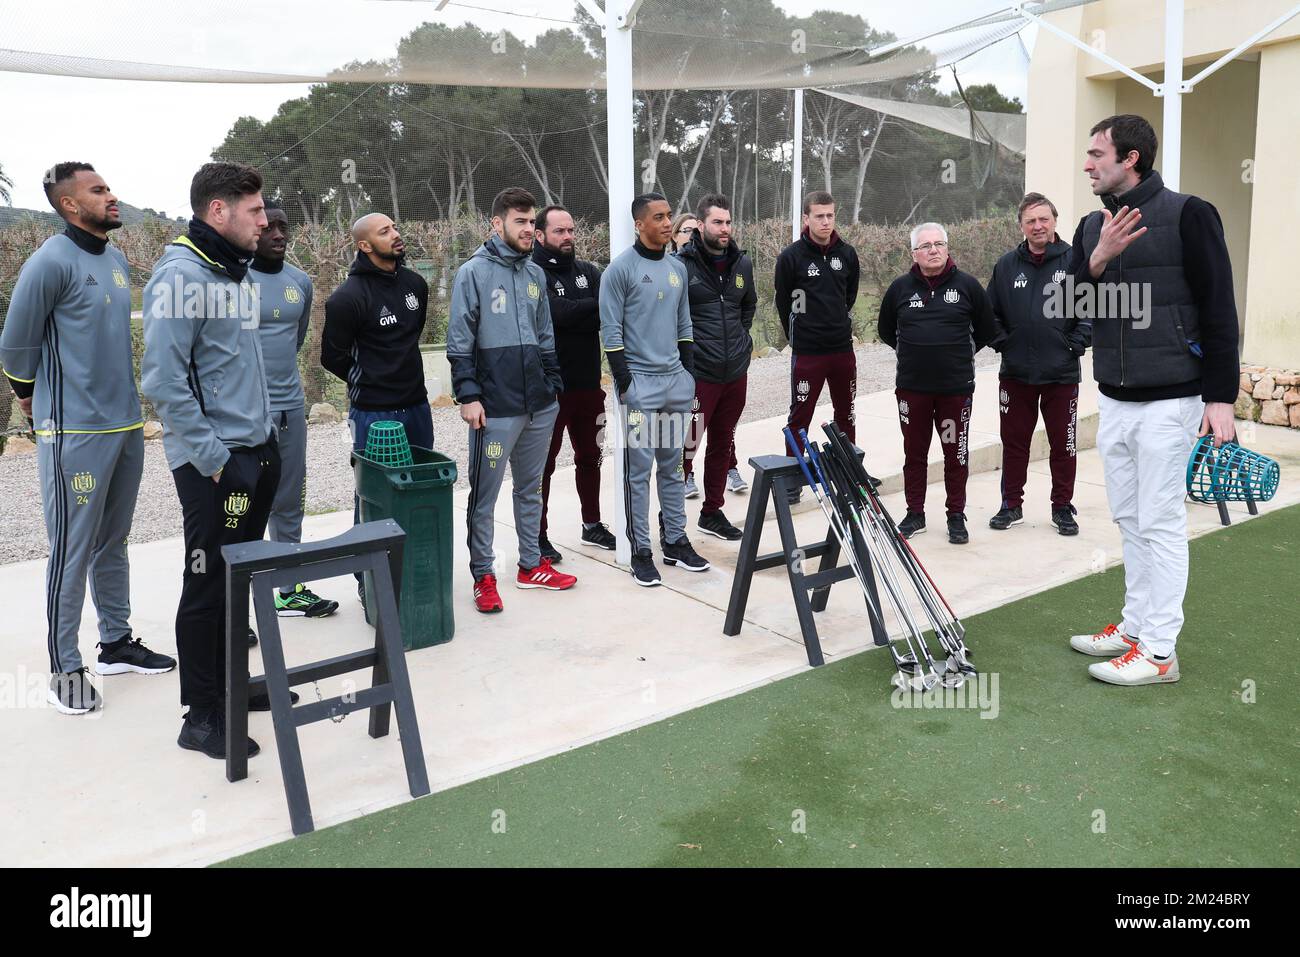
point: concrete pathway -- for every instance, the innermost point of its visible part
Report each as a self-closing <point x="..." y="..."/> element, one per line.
<point x="552" y="672"/>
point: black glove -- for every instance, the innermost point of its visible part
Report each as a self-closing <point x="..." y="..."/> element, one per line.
<point x="687" y="352"/>
<point x="618" y="368"/>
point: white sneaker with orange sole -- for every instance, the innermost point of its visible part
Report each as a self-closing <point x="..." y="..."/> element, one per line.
<point x="1106" y="643"/>
<point x="1136" y="667"/>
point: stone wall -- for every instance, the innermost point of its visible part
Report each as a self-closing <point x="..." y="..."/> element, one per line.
<point x="1269" y="396"/>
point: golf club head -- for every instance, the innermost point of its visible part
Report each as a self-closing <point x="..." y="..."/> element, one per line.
<point x="956" y="673"/>
<point x="913" y="682"/>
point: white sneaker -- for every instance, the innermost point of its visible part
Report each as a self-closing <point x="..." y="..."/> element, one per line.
<point x="1106" y="643"/>
<point x="692" y="490"/>
<point x="1136" y="667"/>
<point x="735" y="481"/>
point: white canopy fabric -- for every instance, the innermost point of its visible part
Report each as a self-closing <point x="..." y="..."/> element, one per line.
<point x="1006" y="129"/>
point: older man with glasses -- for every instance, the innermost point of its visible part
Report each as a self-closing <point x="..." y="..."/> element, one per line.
<point x="936" y="318"/>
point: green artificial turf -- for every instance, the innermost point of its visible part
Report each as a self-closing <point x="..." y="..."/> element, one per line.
<point x="822" y="769"/>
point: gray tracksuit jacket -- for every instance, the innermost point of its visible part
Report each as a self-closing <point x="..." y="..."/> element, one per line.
<point x="67" y="338"/>
<point x="202" y="366"/>
<point x="500" y="342"/>
<point x="285" y="297"/>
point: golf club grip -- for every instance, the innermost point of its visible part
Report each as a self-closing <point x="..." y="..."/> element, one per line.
<point x="815" y="459"/>
<point x="798" y="456"/>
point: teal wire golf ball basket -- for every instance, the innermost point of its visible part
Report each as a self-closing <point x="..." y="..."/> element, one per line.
<point x="1230" y="473"/>
<point x="386" y="445"/>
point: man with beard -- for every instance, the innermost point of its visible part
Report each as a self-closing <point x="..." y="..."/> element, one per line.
<point x="501" y="348"/>
<point x="572" y="291"/>
<point x="285" y="295"/>
<point x="371" y="340"/>
<point x="723" y="301"/>
<point x="202" y="369"/>
<point x="66" y="350"/>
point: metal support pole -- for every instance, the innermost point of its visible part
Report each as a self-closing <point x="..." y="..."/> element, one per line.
<point x="796" y="181"/>
<point x="1172" y="147"/>
<point x="622" y="170"/>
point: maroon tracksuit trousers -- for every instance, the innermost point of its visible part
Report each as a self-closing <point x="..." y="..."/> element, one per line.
<point x="1019" y="404"/>
<point x="582" y="413"/>
<point x="838" y="370"/>
<point x="717" y="411"/>
<point x="921" y="414"/>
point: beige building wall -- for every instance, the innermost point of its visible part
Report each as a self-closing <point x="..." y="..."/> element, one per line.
<point x="1245" y="113"/>
<point x="1219" y="121"/>
<point x="1273" y="324"/>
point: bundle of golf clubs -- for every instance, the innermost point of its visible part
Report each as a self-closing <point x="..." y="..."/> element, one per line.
<point x="871" y="542"/>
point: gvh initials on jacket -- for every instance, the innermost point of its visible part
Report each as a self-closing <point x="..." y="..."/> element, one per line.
<point x="371" y="340"/>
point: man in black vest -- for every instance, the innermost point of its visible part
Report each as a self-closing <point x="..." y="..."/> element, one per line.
<point x="573" y="289"/>
<point x="723" y="301"/>
<point x="1152" y="268"/>
<point x="1040" y="364"/>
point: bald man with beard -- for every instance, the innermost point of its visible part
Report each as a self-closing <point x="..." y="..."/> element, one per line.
<point x="373" y="322"/>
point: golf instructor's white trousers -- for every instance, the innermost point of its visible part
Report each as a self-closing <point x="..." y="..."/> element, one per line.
<point x="1144" y="449"/>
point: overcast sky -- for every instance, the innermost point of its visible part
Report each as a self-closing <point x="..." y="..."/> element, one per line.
<point x="149" y="137"/>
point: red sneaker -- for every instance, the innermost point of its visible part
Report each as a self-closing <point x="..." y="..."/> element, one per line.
<point x="486" y="598"/>
<point x="544" y="576"/>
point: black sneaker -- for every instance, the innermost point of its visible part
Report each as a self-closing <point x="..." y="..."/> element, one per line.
<point x="549" y="551"/>
<point x="716" y="524"/>
<point x="957" y="533"/>
<point x="796" y="494"/>
<point x="681" y="553"/>
<point x="130" y="654"/>
<point x="1063" y="519"/>
<point x="1006" y="518"/>
<point x="644" y="571"/>
<point x="913" y="523"/>
<point x="252" y="638"/>
<point x="207" y="733"/>
<point x="262" y="700"/>
<point x="600" y="536"/>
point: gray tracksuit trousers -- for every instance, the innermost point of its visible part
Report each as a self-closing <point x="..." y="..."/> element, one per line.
<point x="89" y="485"/>
<point x="658" y="415"/>
<point x="522" y="441"/>
<point x="291" y="495"/>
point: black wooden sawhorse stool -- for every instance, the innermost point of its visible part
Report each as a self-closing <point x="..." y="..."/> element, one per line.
<point x="375" y="547"/>
<point x="774" y="477"/>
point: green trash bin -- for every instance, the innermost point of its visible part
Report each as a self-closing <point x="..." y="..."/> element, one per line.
<point x="418" y="498"/>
